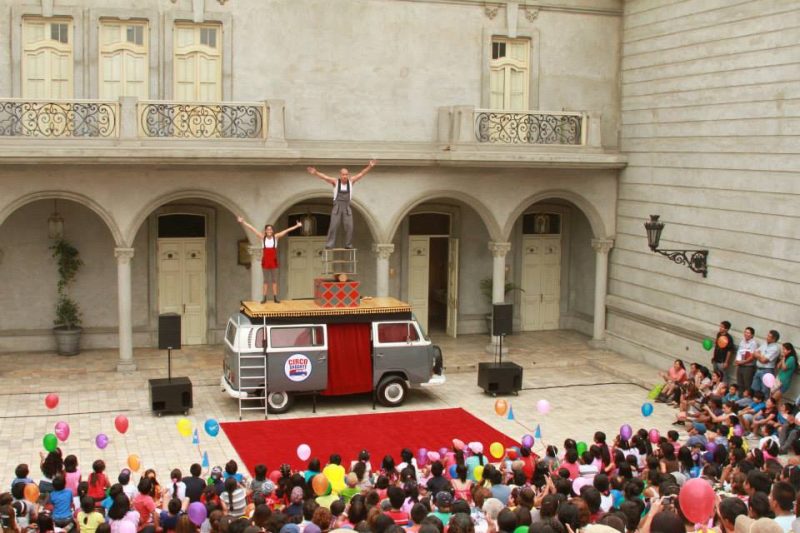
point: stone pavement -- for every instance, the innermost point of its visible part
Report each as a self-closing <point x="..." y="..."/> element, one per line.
<point x="588" y="389"/>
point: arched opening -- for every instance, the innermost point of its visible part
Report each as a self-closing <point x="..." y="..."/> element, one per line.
<point x="301" y="253"/>
<point x="191" y="258"/>
<point x="441" y="256"/>
<point x="30" y="275"/>
<point x="552" y="267"/>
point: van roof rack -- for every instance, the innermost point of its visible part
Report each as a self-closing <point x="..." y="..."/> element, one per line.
<point x="308" y="308"/>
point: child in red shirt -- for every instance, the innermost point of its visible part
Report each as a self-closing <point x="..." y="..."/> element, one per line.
<point x="98" y="482"/>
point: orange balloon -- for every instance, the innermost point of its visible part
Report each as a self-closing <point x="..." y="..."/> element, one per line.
<point x="32" y="492"/>
<point x="320" y="484"/>
<point x="722" y="342"/>
<point x="134" y="463"/>
<point x="501" y="407"/>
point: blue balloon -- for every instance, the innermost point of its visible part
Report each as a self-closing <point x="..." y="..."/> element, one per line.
<point x="212" y="427"/>
<point x="647" y="409"/>
<point x="453" y="474"/>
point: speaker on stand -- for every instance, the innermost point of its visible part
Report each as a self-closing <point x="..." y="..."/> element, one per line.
<point x="499" y="377"/>
<point x="170" y="395"/>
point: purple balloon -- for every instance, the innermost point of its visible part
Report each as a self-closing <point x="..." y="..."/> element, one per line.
<point x="711" y="446"/>
<point x="626" y="432"/>
<point x="422" y="456"/>
<point x="527" y="441"/>
<point x="197" y="513"/>
<point x="443" y="451"/>
<point x="101" y="440"/>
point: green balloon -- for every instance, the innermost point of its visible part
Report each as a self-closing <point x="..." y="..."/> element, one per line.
<point x="50" y="442"/>
<point x="581" y="447"/>
<point x="708" y="344"/>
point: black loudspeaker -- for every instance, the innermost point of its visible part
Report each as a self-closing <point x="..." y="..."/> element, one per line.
<point x="502" y="318"/>
<point x="171" y="395"/>
<point x="500" y="378"/>
<point x="169" y="331"/>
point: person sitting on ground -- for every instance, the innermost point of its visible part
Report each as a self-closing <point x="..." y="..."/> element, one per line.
<point x="673" y="378"/>
<point x="396" y="499"/>
<point x="89" y="518"/>
<point x="168" y="519"/>
<point x="747" y="414"/>
<point x="443" y="503"/>
<point x="762" y="422"/>
<point x="195" y="484"/>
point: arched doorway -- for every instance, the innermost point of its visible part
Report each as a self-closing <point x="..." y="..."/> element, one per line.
<point x="553" y="267"/>
<point x="29" y="295"/>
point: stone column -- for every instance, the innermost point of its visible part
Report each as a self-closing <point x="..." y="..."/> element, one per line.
<point x="124" y="256"/>
<point x="601" y="248"/>
<point x="499" y="251"/>
<point x="256" y="275"/>
<point x="382" y="253"/>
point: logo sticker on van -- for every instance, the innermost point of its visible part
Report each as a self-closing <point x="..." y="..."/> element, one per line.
<point x="297" y="367"/>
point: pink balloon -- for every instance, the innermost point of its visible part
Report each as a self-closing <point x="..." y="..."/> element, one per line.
<point x="303" y="452"/>
<point x="543" y="406"/>
<point x="696" y="499"/>
<point x="433" y="456"/>
<point x="654" y="436"/>
<point x="62" y="431"/>
<point x="768" y="380"/>
<point x="578" y="483"/>
<point x="458" y="444"/>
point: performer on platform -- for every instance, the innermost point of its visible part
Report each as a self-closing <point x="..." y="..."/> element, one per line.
<point x="342" y="194"/>
<point x="269" y="255"/>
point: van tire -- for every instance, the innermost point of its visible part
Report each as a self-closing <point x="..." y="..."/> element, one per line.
<point x="392" y="391"/>
<point x="279" y="402"/>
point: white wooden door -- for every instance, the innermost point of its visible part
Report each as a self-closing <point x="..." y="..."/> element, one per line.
<point x="47" y="68"/>
<point x="419" y="249"/>
<point x="304" y="258"/>
<point x="452" y="287"/>
<point x="182" y="285"/>
<point x="541" y="282"/>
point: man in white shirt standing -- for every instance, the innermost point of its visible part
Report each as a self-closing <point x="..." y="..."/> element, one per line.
<point x="745" y="361"/>
<point x="766" y="357"/>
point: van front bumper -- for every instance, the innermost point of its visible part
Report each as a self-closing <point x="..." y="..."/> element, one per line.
<point x="230" y="391"/>
<point x="435" y="381"/>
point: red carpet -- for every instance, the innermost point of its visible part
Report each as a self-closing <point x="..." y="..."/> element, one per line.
<point x="273" y="442"/>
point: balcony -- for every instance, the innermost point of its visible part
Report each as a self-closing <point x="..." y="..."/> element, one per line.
<point x="465" y="126"/>
<point x="131" y="119"/>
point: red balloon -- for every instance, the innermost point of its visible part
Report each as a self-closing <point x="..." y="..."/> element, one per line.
<point x="51" y="401"/>
<point x="696" y="499"/>
<point x="275" y="476"/>
<point x="121" y="423"/>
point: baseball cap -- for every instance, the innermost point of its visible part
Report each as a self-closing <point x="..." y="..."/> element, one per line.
<point x="267" y="487"/>
<point x="443" y="499"/>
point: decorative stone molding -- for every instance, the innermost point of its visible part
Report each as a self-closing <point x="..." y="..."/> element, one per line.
<point x="123" y="255"/>
<point x="499" y="249"/>
<point x="491" y="11"/>
<point x="602" y="246"/>
<point x="531" y="13"/>
<point x="383" y="251"/>
<point x="222" y="2"/>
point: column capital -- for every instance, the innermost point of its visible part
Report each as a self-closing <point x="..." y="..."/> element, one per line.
<point x="383" y="250"/>
<point x="254" y="251"/>
<point x="499" y="249"/>
<point x="602" y="246"/>
<point x="123" y="255"/>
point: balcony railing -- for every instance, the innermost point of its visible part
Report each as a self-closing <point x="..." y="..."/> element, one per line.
<point x="465" y="126"/>
<point x="196" y="120"/>
<point x="59" y="118"/>
<point x="130" y="119"/>
<point x="532" y="127"/>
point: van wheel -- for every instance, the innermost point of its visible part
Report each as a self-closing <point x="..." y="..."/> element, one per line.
<point x="279" y="402"/>
<point x="392" y="391"/>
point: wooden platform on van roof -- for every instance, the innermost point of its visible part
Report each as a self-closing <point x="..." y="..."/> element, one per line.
<point x="307" y="308"/>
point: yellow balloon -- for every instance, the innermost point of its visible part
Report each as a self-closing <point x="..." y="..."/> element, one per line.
<point x="496" y="449"/>
<point x="478" y="472"/>
<point x="184" y="427"/>
<point x="134" y="463"/>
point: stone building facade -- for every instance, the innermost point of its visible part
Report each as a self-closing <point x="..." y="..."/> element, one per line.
<point x="502" y="129"/>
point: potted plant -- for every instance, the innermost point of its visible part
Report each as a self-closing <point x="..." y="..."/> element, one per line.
<point x="67" y="328"/>
<point x="486" y="290"/>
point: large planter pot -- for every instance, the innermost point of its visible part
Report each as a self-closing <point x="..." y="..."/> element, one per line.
<point x="68" y="341"/>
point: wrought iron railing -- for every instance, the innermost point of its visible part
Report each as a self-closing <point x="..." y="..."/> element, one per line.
<point x="181" y="120"/>
<point x="58" y="118"/>
<point x="536" y="127"/>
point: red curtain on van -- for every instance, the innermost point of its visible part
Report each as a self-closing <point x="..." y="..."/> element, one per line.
<point x="349" y="359"/>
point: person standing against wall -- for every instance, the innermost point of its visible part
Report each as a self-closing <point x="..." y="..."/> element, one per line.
<point x="724" y="350"/>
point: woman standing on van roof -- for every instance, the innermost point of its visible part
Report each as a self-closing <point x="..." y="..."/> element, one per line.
<point x="269" y="256"/>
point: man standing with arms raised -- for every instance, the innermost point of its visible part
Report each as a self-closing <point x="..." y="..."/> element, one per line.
<point x="342" y="194"/>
